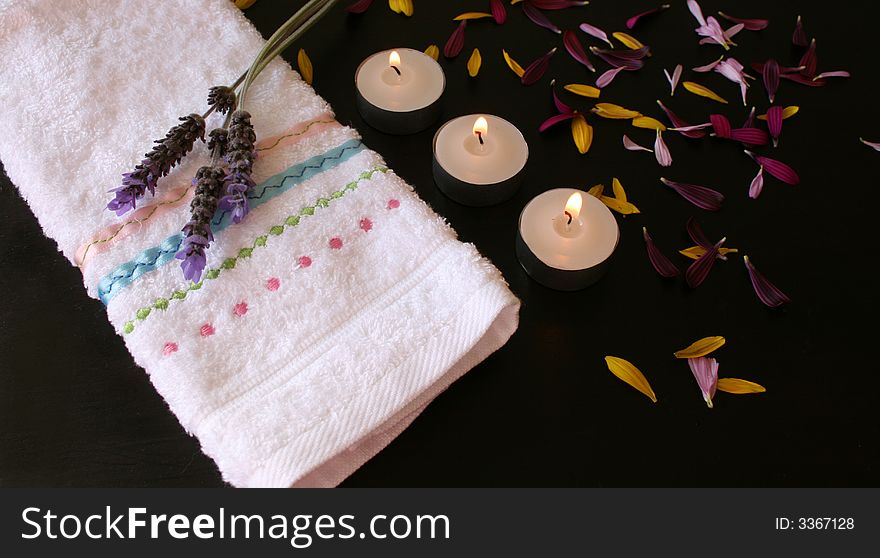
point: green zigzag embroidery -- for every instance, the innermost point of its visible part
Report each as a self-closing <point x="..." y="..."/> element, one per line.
<point x="229" y="263"/>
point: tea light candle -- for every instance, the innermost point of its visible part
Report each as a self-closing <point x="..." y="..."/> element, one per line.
<point x="398" y="91"/>
<point x="565" y="239"/>
<point x="479" y="160"/>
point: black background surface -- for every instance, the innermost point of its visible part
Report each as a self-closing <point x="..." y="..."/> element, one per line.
<point x="544" y="410"/>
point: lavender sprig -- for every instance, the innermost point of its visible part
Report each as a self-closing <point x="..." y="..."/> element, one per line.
<point x="157" y="163"/>
<point x="197" y="233"/>
<point x="239" y="157"/>
<point x="221" y="98"/>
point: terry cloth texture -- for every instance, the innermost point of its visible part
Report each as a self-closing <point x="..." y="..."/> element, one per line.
<point x="324" y="323"/>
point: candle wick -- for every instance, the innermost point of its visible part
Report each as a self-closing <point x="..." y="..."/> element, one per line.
<point x="480" y="136"/>
<point x="570" y="217"/>
<point x="396" y="69"/>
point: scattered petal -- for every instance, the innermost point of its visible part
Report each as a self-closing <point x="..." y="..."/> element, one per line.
<point x="536" y="69"/>
<point x="633" y="146"/>
<point x="499" y="12"/>
<point x="767" y="292"/>
<point x="787" y="113"/>
<point x="596" y="190"/>
<point x="771" y="78"/>
<point x="607" y="77"/>
<point x="474" y="63"/>
<point x="404" y="7"/>
<point x="612" y="111"/>
<point x="679" y="123"/>
<point x="433" y="52"/>
<point x="750" y="120"/>
<point x="695" y="231"/>
<point x="739" y="387"/>
<point x="631" y="22"/>
<point x="799" y="37"/>
<point x="804" y="80"/>
<point x="701" y="347"/>
<point x="750" y="24"/>
<point x="697" y="11"/>
<point x="617" y="188"/>
<point x="358" y="7"/>
<point x="471" y="15"/>
<point x="661" y="263"/>
<point x="720" y="125"/>
<point x="699" y="270"/>
<point x="595" y="32"/>
<point x="750" y="136"/>
<point x="757" y="184"/>
<point x="556" y="119"/>
<point x="622" y="207"/>
<point x="455" y="43"/>
<point x="576" y="50"/>
<point x="560" y="105"/>
<point x="627" y="59"/>
<point x="512" y="64"/>
<point x="777" y="169"/>
<point x="708" y="67"/>
<point x="809" y="61"/>
<point x="873" y="144"/>
<point x="628" y="40"/>
<point x="700" y="196"/>
<point x="583" y="90"/>
<point x="582" y="133"/>
<point x="661" y="151"/>
<point x="648" y="123"/>
<point x="774" y="123"/>
<point x="627" y="372"/>
<point x="696" y="252"/>
<point x="538" y="18"/>
<point x="705" y="371"/>
<point x="835" y="73"/>
<point x="702" y="91"/>
<point x="674" y="78"/>
<point x="305" y="66"/>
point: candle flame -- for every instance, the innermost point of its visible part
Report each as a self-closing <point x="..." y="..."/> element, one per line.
<point x="573" y="205"/>
<point x="394" y="58"/>
<point x="481" y="126"/>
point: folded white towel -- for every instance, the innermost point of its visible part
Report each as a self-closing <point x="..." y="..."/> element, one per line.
<point x="326" y="320"/>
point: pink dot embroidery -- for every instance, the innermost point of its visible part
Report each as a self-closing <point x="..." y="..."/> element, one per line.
<point x="240" y="309"/>
<point x="169" y="348"/>
<point x="366" y="225"/>
<point x="273" y="283"/>
<point x="305" y="261"/>
<point x="393" y="204"/>
<point x="336" y="243"/>
<point x="206" y="330"/>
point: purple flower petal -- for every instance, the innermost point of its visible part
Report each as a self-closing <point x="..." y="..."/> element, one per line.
<point x="750" y="136"/>
<point x="607" y="77"/>
<point x="538" y="17"/>
<point x="456" y="41"/>
<point x="630" y="145"/>
<point x="697" y="11"/>
<point x="700" y="196"/>
<point x="721" y="125"/>
<point x="674" y="78"/>
<point x="661" y="263"/>
<point x="809" y="61"/>
<point x="750" y="120"/>
<point x="619" y="59"/>
<point x="708" y="67"/>
<point x="576" y="50"/>
<point x="799" y="37"/>
<point x="698" y="271"/>
<point x="750" y="24"/>
<point x="595" y="32"/>
<point x="835" y="73"/>
<point x="873" y="144"/>
<point x="560" y="105"/>
<point x="358" y="7"/>
<point x="554" y="120"/>
<point x="774" y="123"/>
<point x="757" y="184"/>
<point x="499" y="12"/>
<point x="679" y="123"/>
<point x="631" y="22"/>
<point x="777" y="169"/>
<point x="536" y="69"/>
<point x="804" y="80"/>
<point x="705" y="371"/>
<point x="771" y="78"/>
<point x="661" y="152"/>
<point x="767" y="292"/>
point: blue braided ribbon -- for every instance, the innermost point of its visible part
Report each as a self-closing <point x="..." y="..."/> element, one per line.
<point x="153" y="258"/>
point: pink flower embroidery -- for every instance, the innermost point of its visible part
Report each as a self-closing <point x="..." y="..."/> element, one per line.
<point x="240" y="309"/>
<point x="366" y="225"/>
<point x="393" y="204"/>
<point x="273" y="283"/>
<point x="305" y="261"/>
<point x="206" y="330"/>
<point x="336" y="243"/>
<point x="169" y="348"/>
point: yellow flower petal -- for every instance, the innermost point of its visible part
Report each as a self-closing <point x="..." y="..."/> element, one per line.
<point x="583" y="90"/>
<point x="244" y="4"/>
<point x="404" y="7"/>
<point x="627" y="372"/>
<point x="305" y="66"/>
<point x="582" y="133"/>
<point x="512" y="2"/>
<point x="433" y="51"/>
<point x="701" y="348"/>
<point x="627" y="40"/>
<point x="739" y="387"/>
<point x="622" y="207"/>
<point x="471" y="15"/>
<point x="619" y="192"/>
<point x="787" y="112"/>
<point x="702" y="91"/>
<point x="596" y="190"/>
<point x="649" y="123"/>
<point x="394" y="5"/>
<point x="608" y="110"/>
<point x="695" y="252"/>
<point x="512" y="64"/>
<point x="474" y="63"/>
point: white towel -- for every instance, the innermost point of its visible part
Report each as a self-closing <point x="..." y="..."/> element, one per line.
<point x="332" y="315"/>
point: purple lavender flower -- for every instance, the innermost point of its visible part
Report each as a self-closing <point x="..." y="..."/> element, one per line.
<point x="157" y="163"/>
<point x="221" y="98"/>
<point x="240" y="156"/>
<point x="197" y="233"/>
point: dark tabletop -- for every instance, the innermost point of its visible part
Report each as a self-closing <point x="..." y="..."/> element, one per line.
<point x="544" y="410"/>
